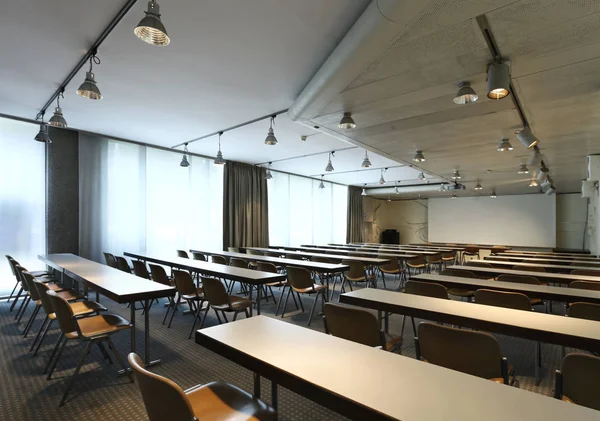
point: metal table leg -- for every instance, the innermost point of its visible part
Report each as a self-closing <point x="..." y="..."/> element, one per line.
<point x="250" y="297"/>
<point x="256" y="386"/>
<point x="147" y="360"/>
<point x="258" y="293"/>
<point x="274" y="395"/>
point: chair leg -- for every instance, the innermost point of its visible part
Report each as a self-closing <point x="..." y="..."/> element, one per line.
<point x="312" y="310"/>
<point x="31" y="320"/>
<point x="104" y="353"/>
<point x="413" y="325"/>
<point x="383" y="279"/>
<point x="225" y="317"/>
<point x="174" y="310"/>
<point x="53" y="366"/>
<point x="12" y="306"/>
<point x="43" y="328"/>
<point x="286" y="301"/>
<point x="113" y="348"/>
<point x="279" y="303"/>
<point x="13" y="292"/>
<point x="76" y="372"/>
<point x="22" y="308"/>
<point x="204" y="316"/>
<point x="196" y="316"/>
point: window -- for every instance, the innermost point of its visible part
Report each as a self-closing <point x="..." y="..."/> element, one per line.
<point x="22" y="198"/>
<point x="301" y="213"/>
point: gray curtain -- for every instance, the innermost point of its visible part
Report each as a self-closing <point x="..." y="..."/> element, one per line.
<point x="355" y="224"/>
<point x="245" y="206"/>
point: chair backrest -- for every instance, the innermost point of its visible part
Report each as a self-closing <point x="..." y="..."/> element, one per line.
<point x="238" y="263"/>
<point x="220" y="260"/>
<point x="458" y="272"/>
<point x="64" y="313"/>
<point x="393" y="265"/>
<point x="467" y="351"/>
<point x="233" y="249"/>
<point x="184" y="282"/>
<point x="214" y="291"/>
<point x="471" y="249"/>
<point x="159" y="274"/>
<point x="42" y="290"/>
<point x="478" y="264"/>
<point x="163" y="398"/>
<point x="530" y="268"/>
<point x="19" y="274"/>
<point x="199" y="256"/>
<point x="353" y="324"/>
<point x="122" y="264"/>
<point x="294" y="256"/>
<point x="110" y="260"/>
<point x="299" y="278"/>
<point x="140" y="269"/>
<point x="434" y="258"/>
<point x="426" y="289"/>
<point x="520" y="279"/>
<point x="266" y="267"/>
<point x="584" y="272"/>
<point x="580" y="379"/>
<point x="28" y="279"/>
<point x="588" y="311"/>
<point x="253" y="252"/>
<point x="590" y="285"/>
<point x="11" y="263"/>
<point x="272" y="254"/>
<point x="514" y="300"/>
<point x="182" y="253"/>
<point x="320" y="259"/>
<point x="356" y="269"/>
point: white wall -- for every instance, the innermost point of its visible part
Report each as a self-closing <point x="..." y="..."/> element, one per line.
<point x="408" y="217"/>
<point x="571" y="214"/>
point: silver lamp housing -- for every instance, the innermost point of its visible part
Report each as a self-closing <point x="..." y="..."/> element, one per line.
<point x="58" y="120"/>
<point x="151" y="29"/>
<point x="43" y="135"/>
<point x="347" y="122"/>
<point x="465" y="94"/>
<point x="498" y="81"/>
<point x="89" y="88"/>
<point x="527" y="138"/>
<point x="504" y="146"/>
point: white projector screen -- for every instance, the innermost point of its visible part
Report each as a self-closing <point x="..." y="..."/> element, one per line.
<point x="522" y="220"/>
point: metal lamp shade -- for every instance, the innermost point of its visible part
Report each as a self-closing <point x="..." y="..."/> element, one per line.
<point x="364" y="192"/>
<point x="533" y="183"/>
<point x="269" y="176"/>
<point x="219" y="159"/>
<point x="527" y="138"/>
<point x="151" y="29"/>
<point x="382" y="180"/>
<point x="478" y="186"/>
<point x="366" y="162"/>
<point x="523" y="169"/>
<point x="465" y="94"/>
<point x="329" y="166"/>
<point x="184" y="161"/>
<point x="456" y="175"/>
<point x="419" y="157"/>
<point x="57" y="120"/>
<point x="321" y="185"/>
<point x="498" y="81"/>
<point x="88" y="88"/>
<point x="42" y="135"/>
<point x="271" y="139"/>
<point x="504" y="146"/>
<point x="493" y="195"/>
<point x="347" y="122"/>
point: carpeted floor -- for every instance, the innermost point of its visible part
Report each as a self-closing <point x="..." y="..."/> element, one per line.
<point x="99" y="394"/>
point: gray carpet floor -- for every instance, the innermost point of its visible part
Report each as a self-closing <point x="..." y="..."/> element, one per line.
<point x="99" y="394"/>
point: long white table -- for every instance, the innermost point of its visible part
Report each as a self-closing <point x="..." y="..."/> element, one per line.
<point x="364" y="383"/>
<point x="117" y="285"/>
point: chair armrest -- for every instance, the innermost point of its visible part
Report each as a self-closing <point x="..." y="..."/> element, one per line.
<point x="417" y="348"/>
<point x="504" y="369"/>
<point x="558" y="392"/>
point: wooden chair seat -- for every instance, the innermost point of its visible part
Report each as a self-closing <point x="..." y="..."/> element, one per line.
<point x="103" y="324"/>
<point x="235" y="304"/>
<point x="198" y="296"/>
<point x="308" y="290"/>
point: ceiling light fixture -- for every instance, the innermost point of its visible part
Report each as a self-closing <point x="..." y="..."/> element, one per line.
<point x="268" y="174"/>
<point x="381" y="179"/>
<point x="321" y="185"/>
<point x="366" y="162"/>
<point x="388" y="200"/>
<point x="456" y="175"/>
<point x="442" y="187"/>
<point x="465" y="94"/>
<point x="523" y="169"/>
<point x="271" y="140"/>
<point x="329" y="166"/>
<point x="151" y="29"/>
<point x="493" y="195"/>
<point x="454" y="195"/>
<point x="364" y="191"/>
<point x="478" y="186"/>
<point x="58" y="120"/>
<point x="419" y="157"/>
<point x="184" y="160"/>
<point x="533" y="183"/>
<point x="219" y="159"/>
<point x="526" y="137"/>
<point x="498" y="80"/>
<point x="504" y="146"/>
<point x="43" y="135"/>
<point x="421" y="176"/>
<point x="89" y="88"/>
<point x="536" y="158"/>
<point x="347" y="122"/>
<point x="396" y="190"/>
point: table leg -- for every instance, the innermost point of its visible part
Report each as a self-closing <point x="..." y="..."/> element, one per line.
<point x="256" y="386"/>
<point x="386" y="323"/>
<point x="132" y="321"/>
<point x="147" y="360"/>
<point x="274" y="395"/>
<point x="258" y="293"/>
<point x="250" y="296"/>
<point x="380" y="318"/>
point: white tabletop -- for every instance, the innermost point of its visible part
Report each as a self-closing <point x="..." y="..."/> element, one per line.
<point x="352" y="378"/>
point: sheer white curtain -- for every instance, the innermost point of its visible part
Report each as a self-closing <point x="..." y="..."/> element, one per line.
<point x="22" y="198"/>
<point x="138" y="199"/>
<point x="301" y="213"/>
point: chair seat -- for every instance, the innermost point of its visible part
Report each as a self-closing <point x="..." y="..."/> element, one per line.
<point x="315" y="288"/>
<point x="235" y="303"/>
<point x="221" y="401"/>
<point x="38" y="273"/>
<point x="536" y="301"/>
<point x="86" y="307"/>
<point x="66" y="294"/>
<point x="392" y="271"/>
<point x="459" y="292"/>
<point x="199" y="296"/>
<point x="416" y="266"/>
<point x="99" y="325"/>
<point x="359" y="279"/>
<point x="392" y="342"/>
<point x="55" y="287"/>
<point x="277" y="284"/>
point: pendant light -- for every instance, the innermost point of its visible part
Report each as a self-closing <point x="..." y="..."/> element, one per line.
<point x="151" y="29"/>
<point x="442" y="187"/>
<point x="456" y="175"/>
<point x="42" y="135"/>
<point x="465" y="94"/>
<point x="419" y="157"/>
<point x="58" y="120"/>
<point x="219" y="159"/>
<point x="533" y="183"/>
<point x="498" y="80"/>
<point x="184" y="161"/>
<point x="396" y="190"/>
<point x="536" y="158"/>
<point x="89" y="89"/>
<point x="321" y="185"/>
<point x="454" y="195"/>
<point x="523" y="169"/>
<point x="329" y="166"/>
<point x="381" y="179"/>
<point x="364" y="190"/>
<point x="421" y="176"/>
<point x="271" y="140"/>
<point x="388" y="199"/>
<point x="366" y="162"/>
<point x="478" y="186"/>
<point x="527" y="138"/>
<point x="347" y="122"/>
<point x="268" y="174"/>
<point x="493" y="195"/>
<point x="504" y="146"/>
